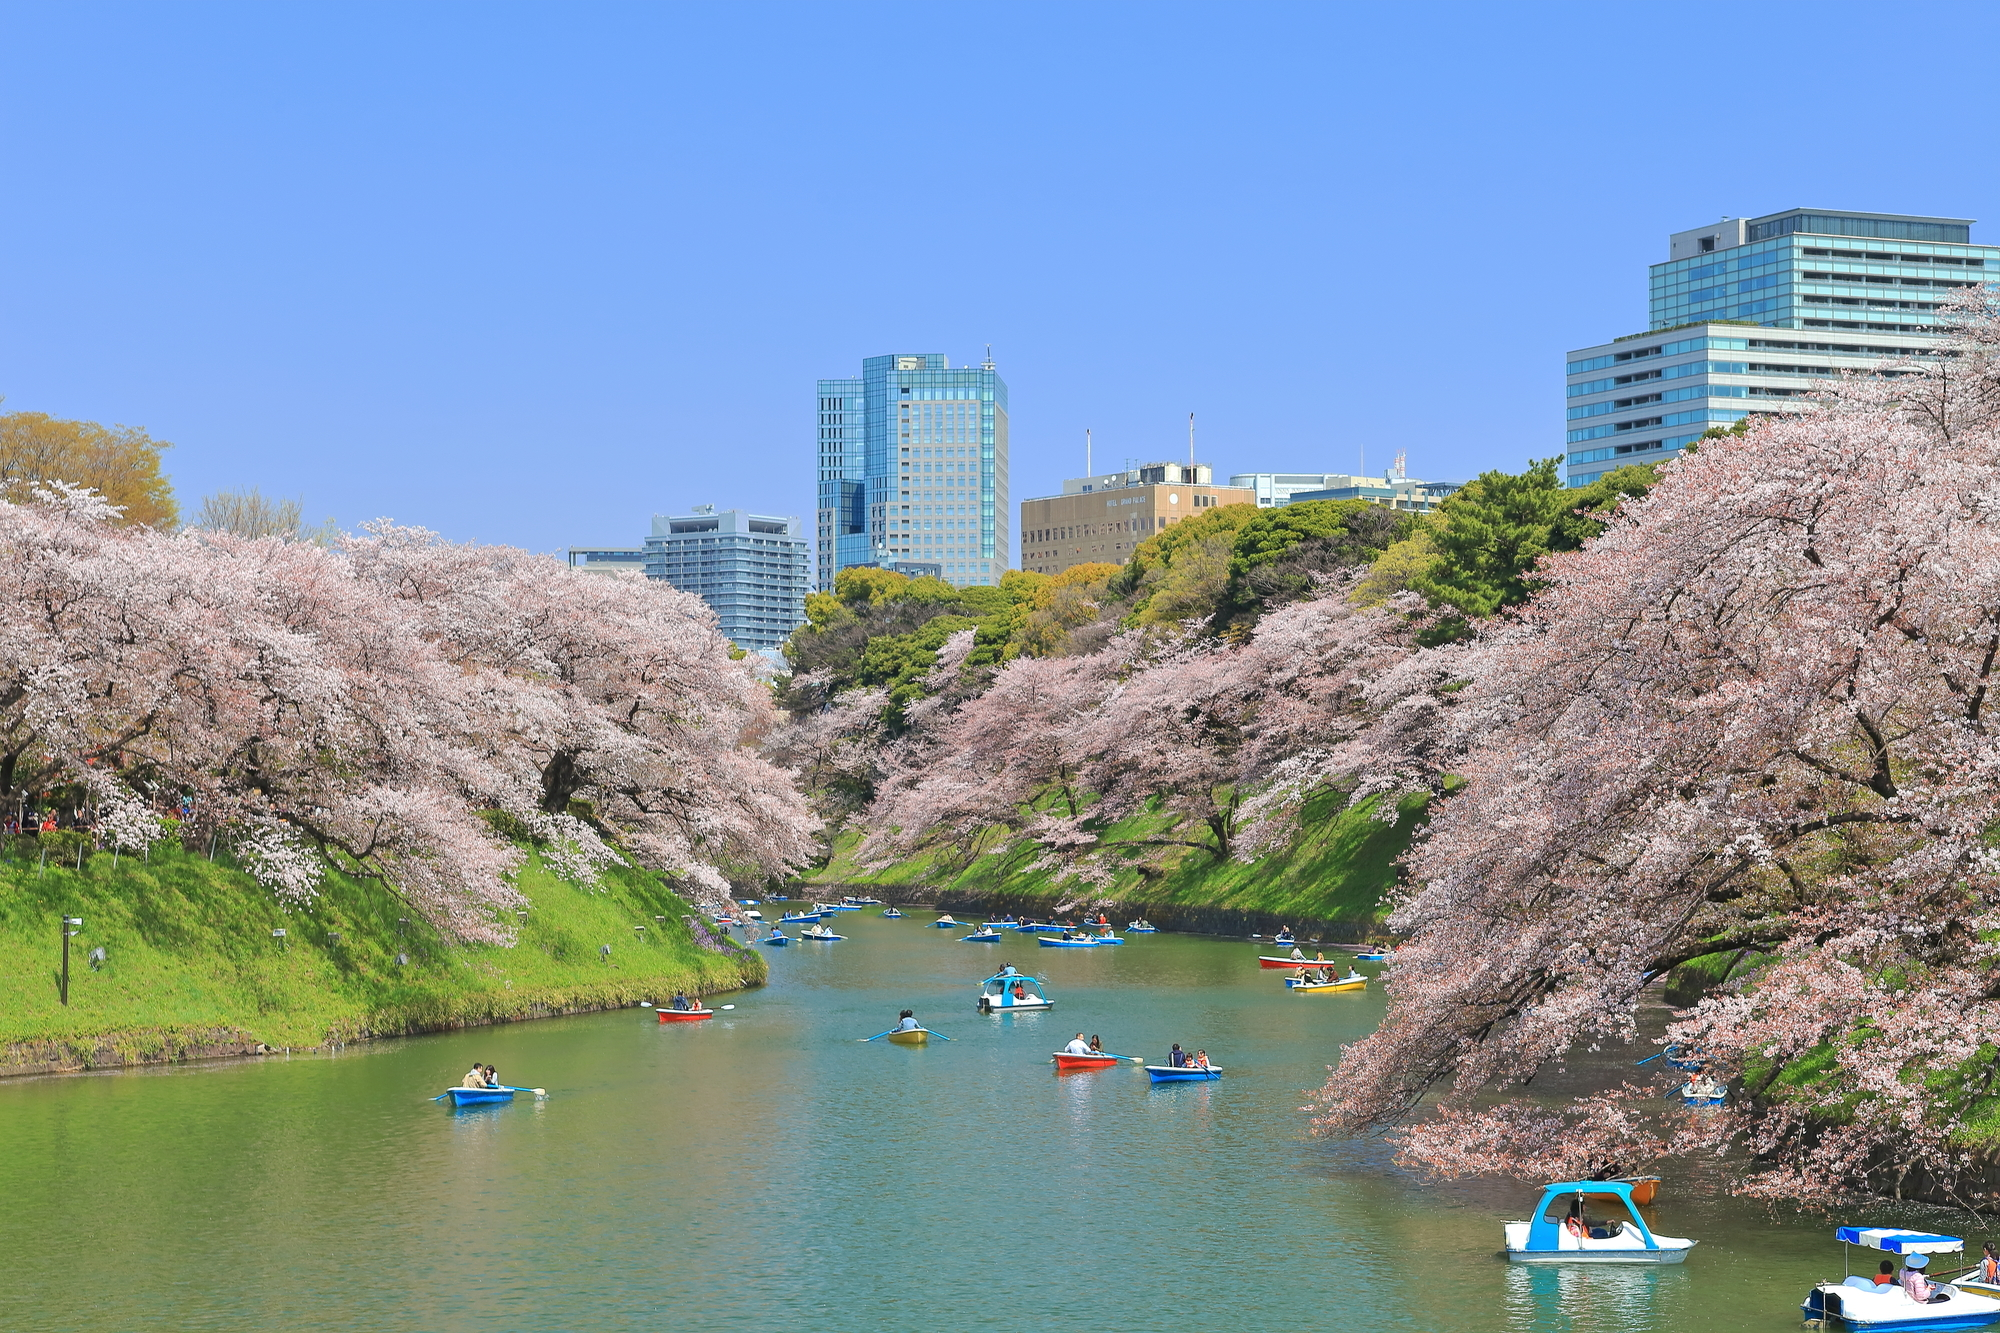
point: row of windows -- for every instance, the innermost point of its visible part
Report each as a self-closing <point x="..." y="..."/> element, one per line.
<point x="1858" y="279"/>
<point x="1667" y="373"/>
<point x="1620" y="451"/>
<point x="1643" y="423"/>
<point x="1742" y="344"/>
<point x="1897" y="258"/>
<point x="1660" y="349"/>
<point x="1670" y="396"/>
<point x="1872" y="305"/>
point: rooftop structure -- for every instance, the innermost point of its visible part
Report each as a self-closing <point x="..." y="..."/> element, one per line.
<point x="608" y="559"/>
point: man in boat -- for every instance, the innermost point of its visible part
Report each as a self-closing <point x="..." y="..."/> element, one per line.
<point x="908" y="1021"/>
<point x="1177" y="1057"/>
<point x="681" y="1001"/>
<point x="1298" y="954"/>
<point x="1077" y="1046"/>
<point x="475" y="1077"/>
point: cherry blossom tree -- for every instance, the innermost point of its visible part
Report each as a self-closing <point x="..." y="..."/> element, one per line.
<point x="1750" y="717"/>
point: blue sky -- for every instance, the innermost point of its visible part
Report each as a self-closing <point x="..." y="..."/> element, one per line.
<point x="531" y="274"/>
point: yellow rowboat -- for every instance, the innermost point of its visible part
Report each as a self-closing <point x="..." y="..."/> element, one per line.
<point x="1350" y="982"/>
<point x="916" y="1037"/>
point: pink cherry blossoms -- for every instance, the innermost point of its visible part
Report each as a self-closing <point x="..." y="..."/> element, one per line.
<point x="360" y="707"/>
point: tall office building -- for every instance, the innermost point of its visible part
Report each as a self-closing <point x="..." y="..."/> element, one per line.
<point x="913" y="467"/>
<point x="1748" y="312"/>
<point x="749" y="568"/>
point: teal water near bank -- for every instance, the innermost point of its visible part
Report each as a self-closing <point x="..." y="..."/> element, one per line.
<point x="767" y="1171"/>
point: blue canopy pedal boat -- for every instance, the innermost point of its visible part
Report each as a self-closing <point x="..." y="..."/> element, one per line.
<point x="1856" y="1302"/>
<point x="1012" y="992"/>
<point x="1184" y="1073"/>
<point x="1563" y="1231"/>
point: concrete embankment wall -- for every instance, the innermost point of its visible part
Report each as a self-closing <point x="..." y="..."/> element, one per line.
<point x="1187" y="918"/>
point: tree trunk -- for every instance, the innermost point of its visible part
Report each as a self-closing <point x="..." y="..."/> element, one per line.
<point x="560" y="779"/>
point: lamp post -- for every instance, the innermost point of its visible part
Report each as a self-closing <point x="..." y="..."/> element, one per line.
<point x="67" y="923"/>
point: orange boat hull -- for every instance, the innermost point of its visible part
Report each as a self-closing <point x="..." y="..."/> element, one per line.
<point x="684" y="1015"/>
<point x="1065" y="1061"/>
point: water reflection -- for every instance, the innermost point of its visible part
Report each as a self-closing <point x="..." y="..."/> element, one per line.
<point x="1544" y="1298"/>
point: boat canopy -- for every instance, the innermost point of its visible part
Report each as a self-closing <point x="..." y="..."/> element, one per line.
<point x="1011" y="975"/>
<point x="1549" y="1213"/>
<point x="1898" y="1241"/>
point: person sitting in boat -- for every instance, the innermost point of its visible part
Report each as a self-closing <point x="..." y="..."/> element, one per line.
<point x="1989" y="1265"/>
<point x="1298" y="954"/>
<point x="1097" y="1048"/>
<point x="475" y="1077"/>
<point x="680" y="1000"/>
<point x="1077" y="1046"/>
<point x="1200" y="1060"/>
<point x="1006" y="969"/>
<point x="1177" y="1058"/>
<point x="908" y="1021"/>
<point x="1020" y="991"/>
<point x="1319" y="955"/>
<point x="1916" y="1286"/>
<point x="493" y="1078"/>
<point x="1885" y="1276"/>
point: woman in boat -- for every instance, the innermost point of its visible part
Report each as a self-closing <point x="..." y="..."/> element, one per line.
<point x="1298" y="954"/>
<point x="493" y="1078"/>
<point x="1097" y="1048"/>
<point x="1077" y="1046"/>
<point x="1915" y="1285"/>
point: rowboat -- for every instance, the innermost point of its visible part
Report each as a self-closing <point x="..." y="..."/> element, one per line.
<point x="753" y="916"/>
<point x="946" y="923"/>
<point x="1352" y="981"/>
<point x="1856" y="1302"/>
<point x="893" y="914"/>
<point x="1107" y="938"/>
<point x="479" y="1096"/>
<point x="1374" y="956"/>
<point x="1076" y="942"/>
<point x="861" y="902"/>
<point x="1562" y="1232"/>
<point x="777" y="939"/>
<point x="988" y="935"/>
<point x="797" y="918"/>
<point x="1065" y="1061"/>
<point x="1284" y="941"/>
<point x="1141" y="927"/>
<point x="1702" y="1090"/>
<point x="836" y="907"/>
<point x="1012" y="992"/>
<point x="1183" y="1073"/>
<point x="1267" y="960"/>
<point x="914" y="1037"/>
<point x="818" y="932"/>
<point x="1006" y="923"/>
<point x="669" y="1015"/>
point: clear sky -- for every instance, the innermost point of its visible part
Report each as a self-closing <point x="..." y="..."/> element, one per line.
<point x="532" y="273"/>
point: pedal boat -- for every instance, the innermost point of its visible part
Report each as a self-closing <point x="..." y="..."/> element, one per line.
<point x="1184" y="1073"/>
<point x="819" y="932"/>
<point x="777" y="939"/>
<point x="479" y="1096"/>
<point x="1553" y="1236"/>
<point x="1857" y="1303"/>
<point x="984" y="935"/>
<point x="669" y="1014"/>
<point x="1141" y="927"/>
<point x="1012" y="993"/>
<point x="946" y="923"/>
<point x="1352" y="981"/>
<point x="1066" y="1063"/>
<point x="1067" y="941"/>
<point x="893" y="914"/>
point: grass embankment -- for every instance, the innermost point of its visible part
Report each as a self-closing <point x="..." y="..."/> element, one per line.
<point x="1339" y="869"/>
<point x="192" y="966"/>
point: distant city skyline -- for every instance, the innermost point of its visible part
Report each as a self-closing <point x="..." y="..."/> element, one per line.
<point x="532" y="278"/>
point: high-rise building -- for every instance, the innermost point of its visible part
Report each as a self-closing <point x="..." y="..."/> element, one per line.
<point x="749" y="568"/>
<point x="1101" y="518"/>
<point x="913" y="466"/>
<point x="1748" y="312"/>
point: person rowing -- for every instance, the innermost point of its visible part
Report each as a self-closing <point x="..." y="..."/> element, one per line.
<point x="908" y="1021"/>
<point x="475" y="1077"/>
<point x="1298" y="954"/>
<point x="1077" y="1046"/>
<point x="681" y="1001"/>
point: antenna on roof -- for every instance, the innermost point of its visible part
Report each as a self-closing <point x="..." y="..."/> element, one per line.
<point x="1086" y="451"/>
<point x="1190" y="439"/>
<point x="989" y="357"/>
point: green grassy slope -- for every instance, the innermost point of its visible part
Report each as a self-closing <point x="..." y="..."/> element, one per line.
<point x="191" y="960"/>
<point x="1340" y="868"/>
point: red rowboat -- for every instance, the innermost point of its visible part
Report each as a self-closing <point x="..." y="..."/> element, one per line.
<point x="683" y="1015"/>
<point x="1066" y="1061"/>
<point x="1265" y="960"/>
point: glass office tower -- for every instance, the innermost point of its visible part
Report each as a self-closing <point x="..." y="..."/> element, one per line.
<point x="1746" y="313"/>
<point x="749" y="568"/>
<point x="913" y="467"/>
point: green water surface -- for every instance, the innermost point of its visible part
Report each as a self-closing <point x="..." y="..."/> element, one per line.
<point x="765" y="1170"/>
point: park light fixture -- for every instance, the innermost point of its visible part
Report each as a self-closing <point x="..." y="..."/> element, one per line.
<point x="71" y="926"/>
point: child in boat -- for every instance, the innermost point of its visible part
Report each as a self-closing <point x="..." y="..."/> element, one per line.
<point x="1915" y="1285"/>
<point x="908" y="1022"/>
<point x="1989" y="1265"/>
<point x="1077" y="1046"/>
<point x="1886" y="1275"/>
<point x="1200" y="1060"/>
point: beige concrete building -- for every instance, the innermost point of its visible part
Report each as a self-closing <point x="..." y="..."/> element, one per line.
<point x="1101" y="518"/>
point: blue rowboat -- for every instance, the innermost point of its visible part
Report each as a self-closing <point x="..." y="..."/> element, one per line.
<point x="777" y="939"/>
<point x="1051" y="942"/>
<point x="797" y="918"/>
<point x="1371" y="957"/>
<point x="836" y="907"/>
<point x="1106" y="939"/>
<point x="1284" y="940"/>
<point x="946" y="923"/>
<point x="479" y="1096"/>
<point x="827" y="936"/>
<point x="981" y="937"/>
<point x="1183" y="1074"/>
<point x="1141" y="928"/>
<point x="893" y="914"/>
